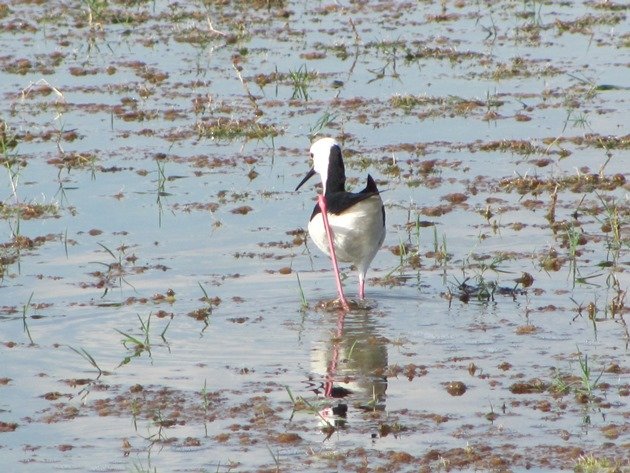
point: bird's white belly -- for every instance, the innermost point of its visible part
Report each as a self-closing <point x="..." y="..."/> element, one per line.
<point x="358" y="232"/>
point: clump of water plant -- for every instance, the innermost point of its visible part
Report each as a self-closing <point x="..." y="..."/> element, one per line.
<point x="322" y="122"/>
<point x="300" y="80"/>
<point x="28" y="211"/>
<point x="115" y="270"/>
<point x="582" y="385"/>
<point x="204" y="313"/>
<point x="594" y="464"/>
<point x="142" y="344"/>
<point x="228" y="129"/>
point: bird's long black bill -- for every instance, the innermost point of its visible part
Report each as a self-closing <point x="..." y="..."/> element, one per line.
<point x="310" y="174"/>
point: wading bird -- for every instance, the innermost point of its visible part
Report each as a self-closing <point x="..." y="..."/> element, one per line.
<point x="347" y="226"/>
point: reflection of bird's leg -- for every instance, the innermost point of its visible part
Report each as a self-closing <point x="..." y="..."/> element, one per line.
<point x="361" y="286"/>
<point x="334" y="361"/>
<point x="321" y="200"/>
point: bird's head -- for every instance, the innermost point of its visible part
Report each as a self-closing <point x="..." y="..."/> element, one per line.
<point x="327" y="162"/>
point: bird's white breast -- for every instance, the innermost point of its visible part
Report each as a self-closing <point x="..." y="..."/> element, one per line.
<point x="358" y="232"/>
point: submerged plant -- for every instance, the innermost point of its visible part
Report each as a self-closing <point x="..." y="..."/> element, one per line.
<point x="224" y="129"/>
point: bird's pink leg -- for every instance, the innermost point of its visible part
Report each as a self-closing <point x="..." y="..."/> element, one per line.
<point x="321" y="200"/>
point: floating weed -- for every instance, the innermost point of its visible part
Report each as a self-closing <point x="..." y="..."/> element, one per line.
<point x="585" y="23"/>
<point x="521" y="147"/>
<point x="407" y="102"/>
<point x="23" y="211"/>
<point x="593" y="464"/>
<point x="74" y="160"/>
<point x="231" y="129"/>
<point x="579" y="183"/>
<point x="395" y="428"/>
<point x="203" y="314"/>
<point x="115" y="270"/>
<point x="454" y="55"/>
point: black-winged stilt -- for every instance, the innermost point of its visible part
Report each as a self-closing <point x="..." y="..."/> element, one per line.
<point x="355" y="222"/>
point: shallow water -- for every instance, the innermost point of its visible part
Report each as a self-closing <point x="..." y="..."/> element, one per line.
<point x="142" y="146"/>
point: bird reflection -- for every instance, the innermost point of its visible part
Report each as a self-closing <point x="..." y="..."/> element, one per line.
<point x="353" y="364"/>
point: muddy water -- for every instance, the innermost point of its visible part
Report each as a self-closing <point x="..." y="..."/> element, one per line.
<point x="150" y="310"/>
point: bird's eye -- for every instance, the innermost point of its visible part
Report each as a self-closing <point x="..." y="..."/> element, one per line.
<point x="311" y="155"/>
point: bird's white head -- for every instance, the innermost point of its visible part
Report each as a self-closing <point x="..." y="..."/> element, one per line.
<point x="322" y="151"/>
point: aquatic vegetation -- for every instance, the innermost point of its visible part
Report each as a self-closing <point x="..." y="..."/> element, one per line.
<point x="300" y="80"/>
<point x="143" y="344"/>
<point x="228" y="130"/>
<point x="23" y="211"/>
<point x="162" y="156"/>
<point x="593" y="464"/>
<point x="116" y="271"/>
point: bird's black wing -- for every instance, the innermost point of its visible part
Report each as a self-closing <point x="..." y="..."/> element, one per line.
<point x="338" y="202"/>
